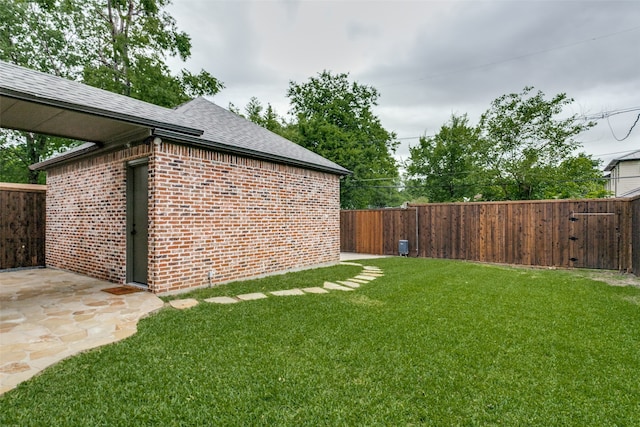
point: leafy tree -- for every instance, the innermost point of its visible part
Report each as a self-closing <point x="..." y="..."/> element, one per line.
<point x="520" y="150"/>
<point x="523" y="140"/>
<point x="116" y="45"/>
<point x="577" y="177"/>
<point x="335" y="119"/>
<point x="18" y="150"/>
<point x="41" y="35"/>
<point x="129" y="41"/>
<point x="444" y="168"/>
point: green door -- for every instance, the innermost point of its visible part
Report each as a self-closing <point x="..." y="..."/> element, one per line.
<point x="137" y="223"/>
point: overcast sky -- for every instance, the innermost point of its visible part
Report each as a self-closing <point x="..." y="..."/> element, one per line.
<point x="428" y="59"/>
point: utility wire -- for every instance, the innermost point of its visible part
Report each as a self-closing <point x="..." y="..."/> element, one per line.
<point x="615" y="152"/>
<point x="607" y="114"/>
<point x="628" y="133"/>
<point x="600" y="116"/>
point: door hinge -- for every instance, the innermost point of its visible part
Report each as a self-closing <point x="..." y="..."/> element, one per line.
<point x="573" y="259"/>
<point x="573" y="218"/>
<point x="573" y="238"/>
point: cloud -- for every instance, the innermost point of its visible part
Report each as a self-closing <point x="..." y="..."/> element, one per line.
<point x="428" y="59"/>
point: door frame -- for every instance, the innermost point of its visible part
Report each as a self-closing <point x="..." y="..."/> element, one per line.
<point x="130" y="203"/>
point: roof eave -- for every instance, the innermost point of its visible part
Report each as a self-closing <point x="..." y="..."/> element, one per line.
<point x="91" y="148"/>
<point x="612" y="164"/>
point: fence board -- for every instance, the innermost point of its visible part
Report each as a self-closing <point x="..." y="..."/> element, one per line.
<point x="604" y="234"/>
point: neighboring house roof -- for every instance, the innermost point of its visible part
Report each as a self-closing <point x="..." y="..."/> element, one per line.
<point x="38" y="102"/>
<point x="631" y="156"/>
<point x="632" y="193"/>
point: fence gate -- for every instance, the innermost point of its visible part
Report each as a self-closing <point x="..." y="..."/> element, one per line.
<point x="22" y="225"/>
<point x="594" y="240"/>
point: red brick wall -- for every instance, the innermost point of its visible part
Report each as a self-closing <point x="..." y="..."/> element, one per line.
<point x="86" y="215"/>
<point x="208" y="212"/>
<point x="236" y="217"/>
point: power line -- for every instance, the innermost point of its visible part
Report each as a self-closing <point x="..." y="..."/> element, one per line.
<point x="374" y="179"/>
<point x="615" y="152"/>
<point x="628" y="133"/>
<point x="607" y="114"/>
<point x="584" y="117"/>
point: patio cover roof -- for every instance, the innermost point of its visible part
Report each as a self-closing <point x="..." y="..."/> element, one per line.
<point x="43" y="103"/>
<point x="37" y="102"/>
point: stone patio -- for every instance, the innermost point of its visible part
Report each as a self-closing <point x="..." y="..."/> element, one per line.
<point x="47" y="315"/>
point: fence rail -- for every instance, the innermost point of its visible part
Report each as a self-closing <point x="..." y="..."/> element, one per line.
<point x="22" y="225"/>
<point x="599" y="233"/>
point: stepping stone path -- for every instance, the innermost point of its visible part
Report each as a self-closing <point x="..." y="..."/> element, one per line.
<point x="368" y="274"/>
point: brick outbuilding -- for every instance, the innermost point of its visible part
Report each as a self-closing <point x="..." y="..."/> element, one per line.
<point x="172" y="199"/>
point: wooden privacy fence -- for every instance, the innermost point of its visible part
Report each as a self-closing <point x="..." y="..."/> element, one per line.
<point x="598" y="233"/>
<point x="22" y="225"/>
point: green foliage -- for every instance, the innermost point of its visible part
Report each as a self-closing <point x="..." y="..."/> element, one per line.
<point x="117" y="45"/>
<point x="130" y="40"/>
<point x="433" y="342"/>
<point x="520" y="150"/>
<point x="18" y="150"/>
<point x="335" y="119"/>
<point x="523" y="140"/>
<point x="445" y="168"/>
<point x="577" y="177"/>
<point x="42" y="35"/>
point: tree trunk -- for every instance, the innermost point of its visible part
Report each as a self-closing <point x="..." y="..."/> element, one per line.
<point x="36" y="145"/>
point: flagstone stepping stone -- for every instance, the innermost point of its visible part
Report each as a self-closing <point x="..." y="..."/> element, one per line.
<point x="349" y="283"/>
<point x="182" y="304"/>
<point x="251" y="297"/>
<point x="287" y="292"/>
<point x="222" y="300"/>
<point x="362" y="282"/>
<point x="371" y="268"/>
<point x="371" y="276"/>
<point x="363" y="277"/>
<point x="315" y="290"/>
<point x="351" y="263"/>
<point x="336" y="287"/>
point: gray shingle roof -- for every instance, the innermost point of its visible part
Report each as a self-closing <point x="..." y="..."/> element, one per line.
<point x="224" y="129"/>
<point x="39" y="102"/>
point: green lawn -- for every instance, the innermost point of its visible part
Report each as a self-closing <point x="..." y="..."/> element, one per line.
<point x="433" y="342"/>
